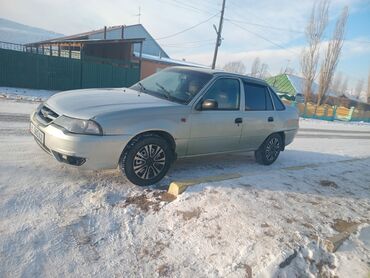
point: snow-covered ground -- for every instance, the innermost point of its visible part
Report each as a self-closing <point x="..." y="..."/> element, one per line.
<point x="273" y="221"/>
<point x="25" y="94"/>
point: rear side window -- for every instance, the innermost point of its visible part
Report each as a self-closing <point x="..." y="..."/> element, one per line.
<point x="278" y="103"/>
<point x="257" y="97"/>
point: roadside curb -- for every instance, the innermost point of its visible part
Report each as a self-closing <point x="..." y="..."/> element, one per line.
<point x="178" y="187"/>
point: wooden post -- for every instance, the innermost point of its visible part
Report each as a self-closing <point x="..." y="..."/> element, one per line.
<point x="305" y="109"/>
<point x="350" y="113"/>
<point x="140" y="57"/>
<point x="334" y="112"/>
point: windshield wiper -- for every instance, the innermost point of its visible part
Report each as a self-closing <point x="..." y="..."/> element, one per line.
<point x="142" y="88"/>
<point x="167" y="93"/>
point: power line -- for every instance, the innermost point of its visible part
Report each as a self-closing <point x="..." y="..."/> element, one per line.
<point x="187" y="29"/>
<point x="264" y="26"/>
<point x="188" y="46"/>
<point x="262" y="37"/>
<point x="187" y="6"/>
<point x="192" y="7"/>
<point x="192" y="42"/>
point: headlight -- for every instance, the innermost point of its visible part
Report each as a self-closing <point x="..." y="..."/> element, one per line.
<point x="79" y="126"/>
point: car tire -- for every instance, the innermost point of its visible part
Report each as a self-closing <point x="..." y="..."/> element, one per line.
<point x="146" y="160"/>
<point x="269" y="151"/>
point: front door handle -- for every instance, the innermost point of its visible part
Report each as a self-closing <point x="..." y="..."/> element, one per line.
<point x="238" y="120"/>
<point x="270" y="119"/>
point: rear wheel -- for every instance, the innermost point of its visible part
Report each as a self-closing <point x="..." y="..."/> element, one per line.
<point x="147" y="160"/>
<point x="269" y="151"/>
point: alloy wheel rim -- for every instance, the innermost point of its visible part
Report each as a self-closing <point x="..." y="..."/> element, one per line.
<point x="272" y="149"/>
<point x="149" y="162"/>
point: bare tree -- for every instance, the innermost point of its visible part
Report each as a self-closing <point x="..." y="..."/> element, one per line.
<point x="344" y="87"/>
<point x="332" y="54"/>
<point x="256" y="65"/>
<point x="337" y="83"/>
<point x="289" y="70"/>
<point x="359" y="87"/>
<point x="368" y="88"/>
<point x="263" y="71"/>
<point x="310" y="55"/>
<point x="236" y="67"/>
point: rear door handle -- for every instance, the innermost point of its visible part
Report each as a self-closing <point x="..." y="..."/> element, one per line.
<point x="238" y="120"/>
<point x="270" y="119"/>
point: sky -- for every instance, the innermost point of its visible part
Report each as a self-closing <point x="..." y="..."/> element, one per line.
<point x="269" y="29"/>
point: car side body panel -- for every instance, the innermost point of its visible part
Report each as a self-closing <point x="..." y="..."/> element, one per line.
<point x="124" y="114"/>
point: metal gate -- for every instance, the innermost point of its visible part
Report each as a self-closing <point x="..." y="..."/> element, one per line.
<point x="38" y="71"/>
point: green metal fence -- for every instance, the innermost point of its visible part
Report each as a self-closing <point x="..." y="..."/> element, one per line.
<point x="37" y="71"/>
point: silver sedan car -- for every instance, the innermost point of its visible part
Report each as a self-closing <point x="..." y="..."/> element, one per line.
<point x="178" y="112"/>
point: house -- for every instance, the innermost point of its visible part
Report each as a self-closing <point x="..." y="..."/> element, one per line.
<point x="291" y="87"/>
<point x="146" y="50"/>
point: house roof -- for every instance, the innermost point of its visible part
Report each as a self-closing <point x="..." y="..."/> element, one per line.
<point x="282" y="84"/>
<point x="150" y="46"/>
<point x="169" y="61"/>
<point x="292" y="84"/>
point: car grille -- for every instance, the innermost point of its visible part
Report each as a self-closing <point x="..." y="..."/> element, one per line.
<point x="46" y="115"/>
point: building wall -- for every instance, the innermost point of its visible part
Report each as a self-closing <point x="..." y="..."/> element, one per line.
<point x="150" y="67"/>
<point x="150" y="46"/>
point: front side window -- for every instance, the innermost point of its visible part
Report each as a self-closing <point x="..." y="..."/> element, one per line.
<point x="175" y="84"/>
<point x="226" y="91"/>
<point x="257" y="97"/>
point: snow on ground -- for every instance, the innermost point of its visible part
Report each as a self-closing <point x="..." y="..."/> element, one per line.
<point x="25" y="94"/>
<point x="321" y="124"/>
<point x="61" y="221"/>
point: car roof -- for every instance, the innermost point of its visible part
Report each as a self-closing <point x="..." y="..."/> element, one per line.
<point x="217" y="72"/>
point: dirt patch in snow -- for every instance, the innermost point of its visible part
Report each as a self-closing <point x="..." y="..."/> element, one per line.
<point x="247" y="268"/>
<point x="164" y="270"/>
<point x="149" y="200"/>
<point x="342" y="225"/>
<point x="188" y="215"/>
<point x="328" y="183"/>
<point x="156" y="250"/>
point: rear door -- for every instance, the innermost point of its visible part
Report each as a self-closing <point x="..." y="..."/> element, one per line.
<point x="258" y="115"/>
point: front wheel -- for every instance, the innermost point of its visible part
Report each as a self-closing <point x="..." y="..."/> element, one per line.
<point x="147" y="160"/>
<point x="269" y="151"/>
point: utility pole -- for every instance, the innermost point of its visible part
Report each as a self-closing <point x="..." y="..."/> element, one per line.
<point x="218" y="31"/>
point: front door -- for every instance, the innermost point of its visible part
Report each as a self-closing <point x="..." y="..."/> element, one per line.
<point x="217" y="130"/>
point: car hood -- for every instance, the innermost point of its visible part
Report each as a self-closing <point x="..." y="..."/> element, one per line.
<point x="89" y="103"/>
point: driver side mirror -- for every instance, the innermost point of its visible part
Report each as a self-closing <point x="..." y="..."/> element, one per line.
<point x="209" y="104"/>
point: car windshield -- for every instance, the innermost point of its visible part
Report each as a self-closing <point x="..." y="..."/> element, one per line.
<point x="174" y="84"/>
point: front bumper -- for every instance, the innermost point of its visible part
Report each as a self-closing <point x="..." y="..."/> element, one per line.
<point x="91" y="151"/>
